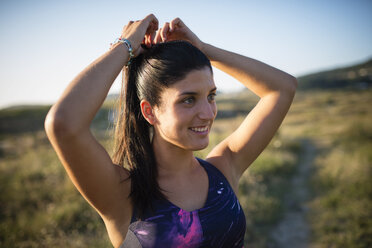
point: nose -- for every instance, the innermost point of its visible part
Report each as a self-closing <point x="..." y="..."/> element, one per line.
<point x="207" y="111"/>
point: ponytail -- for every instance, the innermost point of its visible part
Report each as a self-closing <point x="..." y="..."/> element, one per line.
<point x="133" y="148"/>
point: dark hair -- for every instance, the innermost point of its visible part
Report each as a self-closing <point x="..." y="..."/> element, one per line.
<point x="148" y="74"/>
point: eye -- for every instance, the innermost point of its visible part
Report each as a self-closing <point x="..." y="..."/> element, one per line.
<point x="211" y="97"/>
<point x="189" y="100"/>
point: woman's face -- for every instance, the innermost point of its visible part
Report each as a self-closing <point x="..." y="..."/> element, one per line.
<point x="186" y="111"/>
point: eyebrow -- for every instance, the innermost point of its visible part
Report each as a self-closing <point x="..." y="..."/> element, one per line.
<point x="195" y="93"/>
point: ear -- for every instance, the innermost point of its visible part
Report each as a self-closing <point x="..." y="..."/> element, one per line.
<point x="147" y="112"/>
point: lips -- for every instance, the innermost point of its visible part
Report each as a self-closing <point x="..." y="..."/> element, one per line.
<point x="202" y="129"/>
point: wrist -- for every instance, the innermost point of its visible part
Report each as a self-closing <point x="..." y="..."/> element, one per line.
<point x="121" y="51"/>
<point x="126" y="44"/>
<point x="201" y="46"/>
<point x="204" y="48"/>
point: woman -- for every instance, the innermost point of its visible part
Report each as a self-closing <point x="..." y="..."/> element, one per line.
<point x="155" y="193"/>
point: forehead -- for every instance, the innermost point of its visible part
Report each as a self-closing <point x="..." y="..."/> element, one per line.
<point x="197" y="81"/>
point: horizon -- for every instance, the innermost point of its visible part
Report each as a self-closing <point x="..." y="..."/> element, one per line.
<point x="46" y="44"/>
<point x="110" y="94"/>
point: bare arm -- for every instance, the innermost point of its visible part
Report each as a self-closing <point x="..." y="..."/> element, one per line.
<point x="67" y="125"/>
<point x="276" y="90"/>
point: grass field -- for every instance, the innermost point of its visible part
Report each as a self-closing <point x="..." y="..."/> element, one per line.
<point x="39" y="206"/>
<point x="340" y="123"/>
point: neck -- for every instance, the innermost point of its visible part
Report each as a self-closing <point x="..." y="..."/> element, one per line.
<point x="172" y="160"/>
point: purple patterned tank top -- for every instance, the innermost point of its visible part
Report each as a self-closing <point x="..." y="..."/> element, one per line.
<point x="220" y="223"/>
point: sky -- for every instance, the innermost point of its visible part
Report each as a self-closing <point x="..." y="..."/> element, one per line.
<point x="45" y="44"/>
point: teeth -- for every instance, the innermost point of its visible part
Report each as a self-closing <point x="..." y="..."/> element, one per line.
<point x="199" y="129"/>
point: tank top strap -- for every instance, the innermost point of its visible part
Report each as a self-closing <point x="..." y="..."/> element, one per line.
<point x="213" y="170"/>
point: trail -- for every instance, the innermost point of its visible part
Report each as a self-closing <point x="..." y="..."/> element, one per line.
<point x="293" y="229"/>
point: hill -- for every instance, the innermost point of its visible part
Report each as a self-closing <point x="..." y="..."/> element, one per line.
<point x="357" y="76"/>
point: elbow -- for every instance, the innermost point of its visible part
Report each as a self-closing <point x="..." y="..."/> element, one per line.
<point x="55" y="125"/>
<point x="50" y="125"/>
<point x="294" y="84"/>
<point x="291" y="85"/>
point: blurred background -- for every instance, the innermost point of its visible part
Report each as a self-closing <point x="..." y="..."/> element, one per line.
<point x="310" y="188"/>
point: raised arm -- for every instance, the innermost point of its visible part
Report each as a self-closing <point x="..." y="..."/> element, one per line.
<point x="275" y="88"/>
<point x="67" y="125"/>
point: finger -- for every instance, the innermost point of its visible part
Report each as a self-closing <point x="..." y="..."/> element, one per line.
<point x="157" y="37"/>
<point x="148" y="41"/>
<point x="175" y="22"/>
<point x="151" y="31"/>
<point x="148" y="25"/>
<point x="126" y="26"/>
<point x="152" y="21"/>
<point x="164" y="31"/>
<point x="153" y="36"/>
<point x="151" y="39"/>
<point x="151" y="17"/>
<point x="145" y="40"/>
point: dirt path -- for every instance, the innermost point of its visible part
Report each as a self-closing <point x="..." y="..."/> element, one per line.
<point x="293" y="229"/>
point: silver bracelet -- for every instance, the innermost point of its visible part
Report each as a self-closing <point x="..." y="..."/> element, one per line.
<point x="128" y="45"/>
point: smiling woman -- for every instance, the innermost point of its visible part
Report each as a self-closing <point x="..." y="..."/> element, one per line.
<point x="168" y="96"/>
<point x="154" y="192"/>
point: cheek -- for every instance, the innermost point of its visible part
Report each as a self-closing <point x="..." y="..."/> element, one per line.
<point x="174" y="123"/>
<point x="169" y="120"/>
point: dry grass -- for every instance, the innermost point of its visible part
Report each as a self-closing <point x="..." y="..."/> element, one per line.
<point x="39" y="207"/>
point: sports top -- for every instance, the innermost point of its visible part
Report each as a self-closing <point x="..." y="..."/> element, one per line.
<point x="219" y="223"/>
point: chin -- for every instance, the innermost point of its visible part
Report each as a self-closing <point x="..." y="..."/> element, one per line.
<point x="192" y="144"/>
<point x="198" y="149"/>
<point x="200" y="146"/>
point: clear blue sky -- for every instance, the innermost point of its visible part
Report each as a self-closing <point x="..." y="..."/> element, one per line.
<point x="45" y="44"/>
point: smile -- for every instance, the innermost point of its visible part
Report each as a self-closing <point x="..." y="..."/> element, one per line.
<point x="200" y="129"/>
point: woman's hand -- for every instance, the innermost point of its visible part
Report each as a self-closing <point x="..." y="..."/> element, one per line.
<point x="141" y="32"/>
<point x="177" y="30"/>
